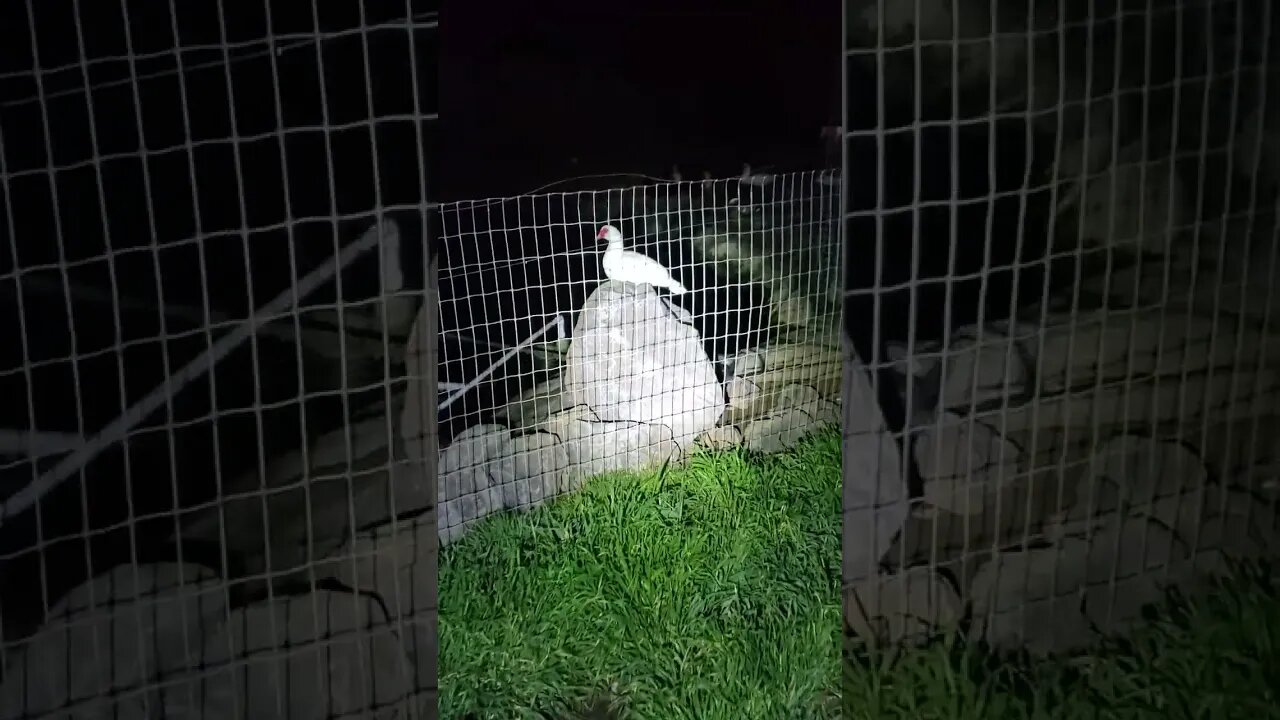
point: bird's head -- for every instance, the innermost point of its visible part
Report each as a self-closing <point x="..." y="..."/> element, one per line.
<point x="609" y="233"/>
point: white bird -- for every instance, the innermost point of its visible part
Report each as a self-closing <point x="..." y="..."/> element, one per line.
<point x="632" y="267"/>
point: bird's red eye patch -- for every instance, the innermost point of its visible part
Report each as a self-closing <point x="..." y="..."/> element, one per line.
<point x="603" y="231"/>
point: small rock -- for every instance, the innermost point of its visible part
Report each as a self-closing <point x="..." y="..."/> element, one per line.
<point x="980" y="373"/>
<point x="746" y="401"/>
<point x="1148" y="470"/>
<point x="343" y="659"/>
<point x="558" y="423"/>
<point x="818" y="366"/>
<point x="595" y="448"/>
<point x="792" y="310"/>
<point x="1228" y="521"/>
<point x="821" y="412"/>
<point x="465" y="463"/>
<point x="469" y="492"/>
<point x="724" y="437"/>
<point x="472" y="447"/>
<point x="747" y="363"/>
<point x="795" y="396"/>
<point x="481" y="500"/>
<point x="910" y="606"/>
<point x="1032" y="600"/>
<point x="963" y="460"/>
<point x="530" y="470"/>
<point x="919" y="364"/>
<point x="779" y="432"/>
<point x="1133" y="474"/>
<point x="1127" y="571"/>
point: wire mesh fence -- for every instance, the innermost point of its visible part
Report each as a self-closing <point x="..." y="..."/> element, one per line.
<point x="590" y="332"/>
<point x="213" y="458"/>
<point x="1061" y="253"/>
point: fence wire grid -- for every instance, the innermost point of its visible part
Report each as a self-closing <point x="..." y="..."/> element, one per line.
<point x="562" y="360"/>
<point x="213" y="456"/>
<point x="1057" y="225"/>
<point x="1060" y="244"/>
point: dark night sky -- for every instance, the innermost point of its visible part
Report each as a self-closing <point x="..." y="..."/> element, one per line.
<point x="630" y="87"/>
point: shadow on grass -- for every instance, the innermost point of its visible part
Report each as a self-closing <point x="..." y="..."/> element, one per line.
<point x="1216" y="655"/>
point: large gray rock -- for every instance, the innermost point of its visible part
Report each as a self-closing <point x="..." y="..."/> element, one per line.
<point x="636" y="359"/>
<point x="875" y="498"/>
<point x="111" y="637"/>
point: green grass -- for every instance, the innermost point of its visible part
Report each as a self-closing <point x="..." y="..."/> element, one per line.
<point x="711" y="591"/>
<point x="1217" y="657"/>
<point x="706" y="591"/>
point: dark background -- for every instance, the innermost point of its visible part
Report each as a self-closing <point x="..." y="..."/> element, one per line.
<point x="531" y="93"/>
<point x="217" y="175"/>
<point x="221" y="174"/>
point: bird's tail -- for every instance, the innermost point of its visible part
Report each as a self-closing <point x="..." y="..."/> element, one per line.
<point x="676" y="288"/>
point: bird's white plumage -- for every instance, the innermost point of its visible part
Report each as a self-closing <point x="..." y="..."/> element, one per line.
<point x="632" y="267"/>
